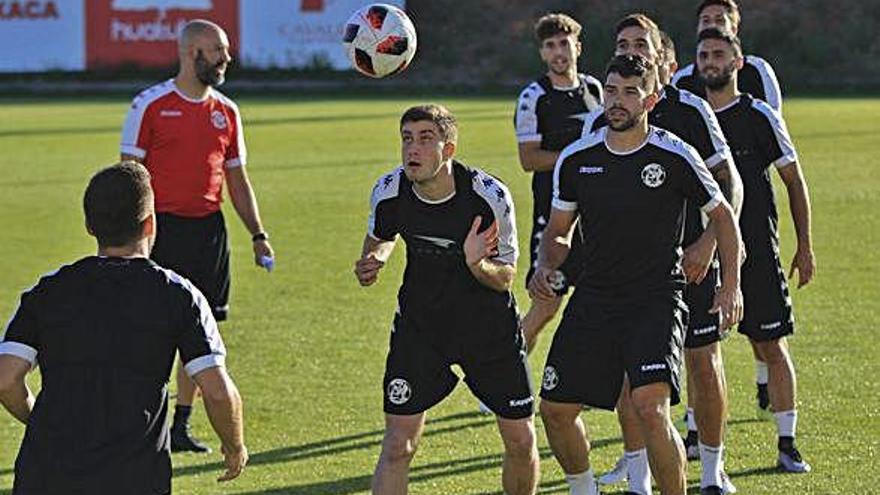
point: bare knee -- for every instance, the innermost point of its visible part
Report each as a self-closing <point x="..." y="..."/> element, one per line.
<point x="705" y="365"/>
<point x="398" y="448"/>
<point x="652" y="407"/>
<point x="519" y="438"/>
<point x="557" y="415"/>
<point x="774" y="351"/>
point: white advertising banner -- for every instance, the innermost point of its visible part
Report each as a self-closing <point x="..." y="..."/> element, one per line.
<point x="296" y="33"/>
<point x="37" y="36"/>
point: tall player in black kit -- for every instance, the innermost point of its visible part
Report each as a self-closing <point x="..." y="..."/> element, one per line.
<point x="691" y="119"/>
<point x="454" y="305"/>
<point x="622" y="330"/>
<point x="760" y="141"/>
<point x="549" y="116"/>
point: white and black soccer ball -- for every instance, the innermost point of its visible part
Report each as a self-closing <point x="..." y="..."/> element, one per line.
<point x="380" y="40"/>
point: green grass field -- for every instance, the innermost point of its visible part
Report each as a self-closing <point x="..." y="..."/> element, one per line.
<point x="307" y="344"/>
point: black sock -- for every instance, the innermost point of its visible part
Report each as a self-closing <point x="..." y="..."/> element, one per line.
<point x="785" y="444"/>
<point x="693" y="438"/>
<point x="763" y="396"/>
<point x="181" y="417"/>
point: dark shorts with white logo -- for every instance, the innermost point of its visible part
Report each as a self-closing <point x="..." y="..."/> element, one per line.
<point x="598" y="341"/>
<point x="196" y="248"/>
<point x="766" y="302"/>
<point x="703" y="327"/>
<point x="418" y="371"/>
<point x="572" y="266"/>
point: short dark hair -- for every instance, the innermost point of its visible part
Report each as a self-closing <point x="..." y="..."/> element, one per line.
<point x="642" y="21"/>
<point x="729" y="5"/>
<point x="723" y="35"/>
<point x="633" y="66"/>
<point x="552" y="24"/>
<point x="116" y="202"/>
<point x="438" y="114"/>
<point x="667" y="52"/>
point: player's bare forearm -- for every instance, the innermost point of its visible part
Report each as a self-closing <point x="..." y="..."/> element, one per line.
<point x="380" y="249"/>
<point x="534" y="159"/>
<point x="223" y="405"/>
<point x="374" y="254"/>
<point x="494" y="275"/>
<point x="243" y="199"/>
<point x="799" y="203"/>
<point x="556" y="240"/>
<point x="15" y="395"/>
<point x="727" y="233"/>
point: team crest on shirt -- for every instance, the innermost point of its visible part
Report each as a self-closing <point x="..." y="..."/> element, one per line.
<point x="399" y="391"/>
<point x="551" y="378"/>
<point x="218" y="119"/>
<point x="653" y="175"/>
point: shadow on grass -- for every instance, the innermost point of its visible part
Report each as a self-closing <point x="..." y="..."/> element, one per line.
<point x="332" y="446"/>
<point x="423" y="473"/>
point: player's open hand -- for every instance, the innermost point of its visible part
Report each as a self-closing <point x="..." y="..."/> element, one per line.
<point x="480" y="245"/>
<point x="541" y="284"/>
<point x="805" y="263"/>
<point x="235" y="459"/>
<point x="697" y="259"/>
<point x="729" y="303"/>
<point x="367" y="269"/>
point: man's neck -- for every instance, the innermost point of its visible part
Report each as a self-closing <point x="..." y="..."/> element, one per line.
<point x="629" y="140"/>
<point x="190" y="86"/>
<point x="139" y="249"/>
<point x="567" y="80"/>
<point x="722" y="97"/>
<point x="438" y="188"/>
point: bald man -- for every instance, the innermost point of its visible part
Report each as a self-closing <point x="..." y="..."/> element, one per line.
<point x="190" y="138"/>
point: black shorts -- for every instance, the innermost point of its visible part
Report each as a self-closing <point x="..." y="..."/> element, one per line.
<point x="598" y="341"/>
<point x="703" y="327"/>
<point x="197" y="248"/>
<point x="418" y="374"/>
<point x="767" y="307"/>
<point x="570" y="269"/>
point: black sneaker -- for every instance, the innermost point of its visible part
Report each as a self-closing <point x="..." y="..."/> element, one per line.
<point x="183" y="441"/>
<point x="711" y="490"/>
<point x="692" y="446"/>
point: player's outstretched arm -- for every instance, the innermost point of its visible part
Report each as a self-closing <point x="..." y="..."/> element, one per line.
<point x="479" y="248"/>
<point x="374" y="254"/>
<point x="14" y="392"/>
<point x="698" y="256"/>
<point x="554" y="248"/>
<point x="728" y="298"/>
<point x="799" y="203"/>
<point x="245" y="202"/>
<point x="223" y="405"/>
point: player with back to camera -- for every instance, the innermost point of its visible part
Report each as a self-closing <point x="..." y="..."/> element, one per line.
<point x="190" y="138"/>
<point x="105" y="331"/>
<point x="454" y="304"/>
<point x="549" y="116"/>
<point x="622" y="329"/>
<point x="760" y="142"/>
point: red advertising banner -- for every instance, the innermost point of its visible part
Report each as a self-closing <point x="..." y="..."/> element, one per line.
<point x="144" y="32"/>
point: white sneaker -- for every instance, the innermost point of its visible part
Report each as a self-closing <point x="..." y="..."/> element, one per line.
<point x="726" y="484"/>
<point x="791" y="462"/>
<point x="617" y="473"/>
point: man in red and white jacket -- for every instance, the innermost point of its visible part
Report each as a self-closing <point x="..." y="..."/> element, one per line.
<point x="190" y="138"/>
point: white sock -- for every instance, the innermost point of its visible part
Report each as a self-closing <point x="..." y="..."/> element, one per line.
<point x="710" y="458"/>
<point x="582" y="484"/>
<point x="692" y="420"/>
<point x="786" y="423"/>
<point x="638" y="471"/>
<point x="761" y="373"/>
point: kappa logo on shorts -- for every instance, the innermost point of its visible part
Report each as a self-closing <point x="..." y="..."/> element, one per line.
<point x="653" y="367"/>
<point x="551" y="378"/>
<point x="705" y="330"/>
<point x="771" y="326"/>
<point x="218" y="119"/>
<point x="653" y="175"/>
<point x="521" y="402"/>
<point x="399" y="391"/>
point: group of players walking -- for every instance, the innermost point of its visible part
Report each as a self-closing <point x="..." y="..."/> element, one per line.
<point x="653" y="199"/>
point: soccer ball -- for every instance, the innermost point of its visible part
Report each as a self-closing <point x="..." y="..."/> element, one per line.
<point x="380" y="40"/>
